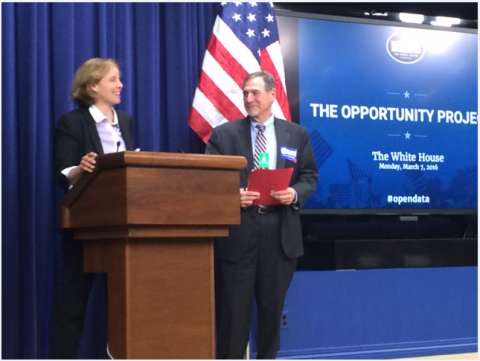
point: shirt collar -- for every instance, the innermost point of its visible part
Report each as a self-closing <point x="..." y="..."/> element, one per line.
<point x="267" y="123"/>
<point x="98" y="116"/>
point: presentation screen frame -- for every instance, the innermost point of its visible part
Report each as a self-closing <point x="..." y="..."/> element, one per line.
<point x="358" y="171"/>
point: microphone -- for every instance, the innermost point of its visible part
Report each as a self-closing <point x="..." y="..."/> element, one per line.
<point x="118" y="145"/>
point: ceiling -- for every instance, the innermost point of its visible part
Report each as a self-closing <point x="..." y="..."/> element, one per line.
<point x="463" y="10"/>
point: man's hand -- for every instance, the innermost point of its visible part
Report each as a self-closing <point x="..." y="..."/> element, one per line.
<point x="247" y="197"/>
<point x="285" y="197"/>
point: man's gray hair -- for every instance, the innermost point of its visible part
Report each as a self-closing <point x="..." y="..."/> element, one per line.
<point x="268" y="79"/>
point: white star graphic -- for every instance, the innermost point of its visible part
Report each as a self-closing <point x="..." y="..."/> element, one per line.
<point x="237" y="17"/>
<point x="250" y="33"/>
<point x="251" y="17"/>
<point x="407" y="94"/>
<point x="253" y="3"/>
<point x="270" y="18"/>
<point x="407" y="135"/>
<point x="238" y="3"/>
<point x="266" y="33"/>
<point x="223" y="3"/>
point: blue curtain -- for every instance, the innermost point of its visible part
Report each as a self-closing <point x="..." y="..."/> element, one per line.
<point x="160" y="49"/>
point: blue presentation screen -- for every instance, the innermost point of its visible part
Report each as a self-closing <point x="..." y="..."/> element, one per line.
<point x="392" y="115"/>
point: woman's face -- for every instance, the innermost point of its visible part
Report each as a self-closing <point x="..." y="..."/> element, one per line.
<point x="108" y="89"/>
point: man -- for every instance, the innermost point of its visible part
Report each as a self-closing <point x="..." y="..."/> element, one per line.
<point x="260" y="255"/>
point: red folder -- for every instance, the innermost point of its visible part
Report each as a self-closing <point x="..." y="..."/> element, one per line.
<point x="266" y="180"/>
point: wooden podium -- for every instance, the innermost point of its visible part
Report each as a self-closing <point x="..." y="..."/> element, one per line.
<point x="147" y="219"/>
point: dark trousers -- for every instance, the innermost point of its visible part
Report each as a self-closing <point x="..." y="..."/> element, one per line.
<point x="264" y="273"/>
<point x="70" y="306"/>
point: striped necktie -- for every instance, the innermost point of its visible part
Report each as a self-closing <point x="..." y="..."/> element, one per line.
<point x="260" y="145"/>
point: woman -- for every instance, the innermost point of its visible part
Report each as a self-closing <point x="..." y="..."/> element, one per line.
<point x="82" y="134"/>
<point x="94" y="128"/>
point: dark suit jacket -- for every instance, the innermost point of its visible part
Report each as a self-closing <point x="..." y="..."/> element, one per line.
<point x="234" y="138"/>
<point x="76" y="135"/>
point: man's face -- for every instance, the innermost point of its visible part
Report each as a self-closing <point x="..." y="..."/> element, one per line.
<point x="257" y="101"/>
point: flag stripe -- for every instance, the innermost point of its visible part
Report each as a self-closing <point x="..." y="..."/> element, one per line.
<point x="267" y="64"/>
<point x="228" y="63"/>
<point x="209" y="114"/>
<point x="240" y="52"/>
<point x="199" y="125"/>
<point x="218" y="98"/>
<point x="277" y="60"/>
<point x="227" y="87"/>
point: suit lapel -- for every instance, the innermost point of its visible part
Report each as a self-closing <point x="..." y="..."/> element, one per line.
<point x="124" y="128"/>
<point x="93" y="133"/>
<point x="283" y="137"/>
<point x="245" y="139"/>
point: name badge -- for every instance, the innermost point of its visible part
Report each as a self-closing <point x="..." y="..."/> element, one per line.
<point x="288" y="153"/>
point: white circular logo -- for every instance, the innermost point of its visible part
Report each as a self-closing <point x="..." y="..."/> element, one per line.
<point x="405" y="49"/>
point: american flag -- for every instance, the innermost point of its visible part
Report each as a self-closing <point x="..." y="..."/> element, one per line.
<point x="244" y="40"/>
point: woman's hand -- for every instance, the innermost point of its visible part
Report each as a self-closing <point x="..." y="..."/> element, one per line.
<point x="87" y="164"/>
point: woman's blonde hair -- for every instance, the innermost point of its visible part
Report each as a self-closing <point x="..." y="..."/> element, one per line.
<point x="88" y="74"/>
